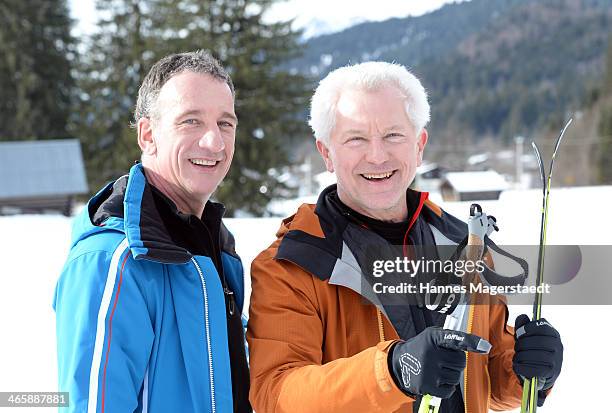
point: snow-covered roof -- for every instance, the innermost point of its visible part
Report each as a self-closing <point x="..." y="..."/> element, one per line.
<point x="41" y="168"/>
<point x="426" y="167"/>
<point x="476" y="181"/>
<point x="478" y="158"/>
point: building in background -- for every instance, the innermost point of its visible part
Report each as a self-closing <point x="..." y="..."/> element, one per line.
<point x="41" y="176"/>
<point x="472" y="186"/>
<point x="428" y="177"/>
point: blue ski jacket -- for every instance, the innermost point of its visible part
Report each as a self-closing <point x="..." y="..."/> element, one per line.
<point x="141" y="323"/>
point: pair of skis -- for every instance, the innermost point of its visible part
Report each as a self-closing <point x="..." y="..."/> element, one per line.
<point x="529" y="401"/>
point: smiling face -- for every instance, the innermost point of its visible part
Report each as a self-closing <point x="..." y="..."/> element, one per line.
<point x="189" y="145"/>
<point x="374" y="151"/>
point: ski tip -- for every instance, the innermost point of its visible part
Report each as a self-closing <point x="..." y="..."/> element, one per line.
<point x="540" y="164"/>
<point x="569" y="122"/>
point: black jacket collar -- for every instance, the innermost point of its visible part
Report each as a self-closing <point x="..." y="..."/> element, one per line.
<point x="153" y="235"/>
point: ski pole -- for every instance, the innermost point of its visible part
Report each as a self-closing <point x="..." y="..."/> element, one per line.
<point x="479" y="226"/>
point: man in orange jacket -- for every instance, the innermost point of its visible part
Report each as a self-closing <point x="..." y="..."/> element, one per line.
<point x="321" y="339"/>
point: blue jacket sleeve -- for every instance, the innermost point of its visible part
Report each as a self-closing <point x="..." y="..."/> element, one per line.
<point x="104" y="332"/>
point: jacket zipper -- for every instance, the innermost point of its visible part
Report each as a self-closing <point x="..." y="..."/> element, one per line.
<point x="465" y="381"/>
<point x="381" y="326"/>
<point x="207" y="330"/>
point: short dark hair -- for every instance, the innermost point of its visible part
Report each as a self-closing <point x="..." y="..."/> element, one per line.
<point x="199" y="61"/>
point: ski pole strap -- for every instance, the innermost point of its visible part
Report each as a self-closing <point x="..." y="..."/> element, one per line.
<point x="489" y="275"/>
<point x="493" y="278"/>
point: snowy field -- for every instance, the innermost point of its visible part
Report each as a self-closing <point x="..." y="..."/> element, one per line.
<point x="33" y="249"/>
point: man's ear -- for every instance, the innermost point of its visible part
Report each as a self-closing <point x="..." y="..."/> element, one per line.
<point x="324" y="151"/>
<point x="146" y="141"/>
<point x="421" y="142"/>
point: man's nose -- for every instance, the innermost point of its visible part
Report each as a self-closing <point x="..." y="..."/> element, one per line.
<point x="377" y="152"/>
<point x="212" y="140"/>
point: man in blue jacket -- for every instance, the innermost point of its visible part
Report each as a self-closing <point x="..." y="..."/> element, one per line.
<point x="150" y="299"/>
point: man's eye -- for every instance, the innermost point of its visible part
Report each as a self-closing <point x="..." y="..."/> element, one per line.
<point x="190" y="122"/>
<point x="355" y="139"/>
<point x="225" y="124"/>
<point x="394" y="136"/>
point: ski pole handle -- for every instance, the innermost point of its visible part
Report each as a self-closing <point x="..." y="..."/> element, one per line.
<point x="479" y="226"/>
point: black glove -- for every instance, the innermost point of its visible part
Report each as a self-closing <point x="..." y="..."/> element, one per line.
<point x="538" y="352"/>
<point x="432" y="362"/>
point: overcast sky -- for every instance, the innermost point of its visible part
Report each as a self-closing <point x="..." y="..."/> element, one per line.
<point x="314" y="16"/>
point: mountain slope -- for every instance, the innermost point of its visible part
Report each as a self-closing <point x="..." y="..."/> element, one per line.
<point x="492" y="67"/>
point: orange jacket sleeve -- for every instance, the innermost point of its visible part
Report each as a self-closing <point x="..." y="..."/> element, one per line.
<point x="285" y="336"/>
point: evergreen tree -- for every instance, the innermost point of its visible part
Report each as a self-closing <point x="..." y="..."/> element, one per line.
<point x="605" y="147"/>
<point x="36" y="86"/>
<point x="605" y="123"/>
<point x="269" y="100"/>
<point x="118" y="55"/>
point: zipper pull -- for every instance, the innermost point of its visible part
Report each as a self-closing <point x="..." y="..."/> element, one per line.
<point x="231" y="308"/>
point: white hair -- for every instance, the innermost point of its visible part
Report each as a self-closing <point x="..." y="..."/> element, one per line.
<point x="369" y="76"/>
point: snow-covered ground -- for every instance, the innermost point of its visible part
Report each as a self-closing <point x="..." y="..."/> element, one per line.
<point x="33" y="249"/>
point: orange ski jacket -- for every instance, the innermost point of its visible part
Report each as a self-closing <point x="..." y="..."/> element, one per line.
<point x="317" y="345"/>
